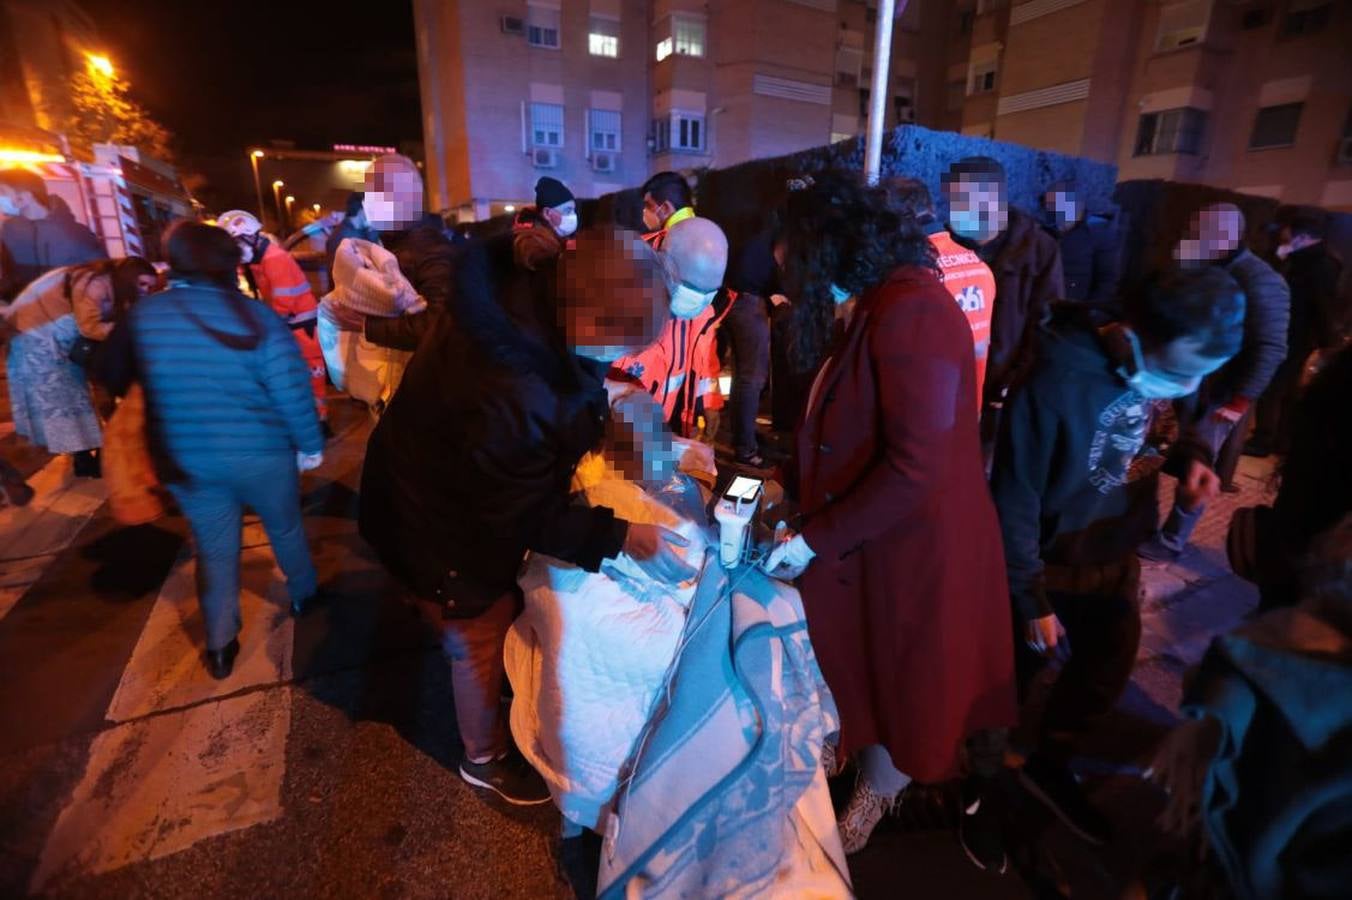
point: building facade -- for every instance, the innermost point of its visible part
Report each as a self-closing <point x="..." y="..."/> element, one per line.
<point x="1251" y="95"/>
<point x="602" y="93"/>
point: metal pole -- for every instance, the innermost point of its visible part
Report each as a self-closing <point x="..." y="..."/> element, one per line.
<point x="877" y="100"/>
<point x="258" y="185"/>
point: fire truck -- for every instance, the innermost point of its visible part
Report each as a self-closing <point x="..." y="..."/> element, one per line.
<point x="124" y="197"/>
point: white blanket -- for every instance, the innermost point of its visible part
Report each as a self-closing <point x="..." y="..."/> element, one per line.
<point x="590" y="650"/>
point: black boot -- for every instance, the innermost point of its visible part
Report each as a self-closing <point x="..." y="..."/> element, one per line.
<point x="220" y="663"/>
<point x="87" y="464"/>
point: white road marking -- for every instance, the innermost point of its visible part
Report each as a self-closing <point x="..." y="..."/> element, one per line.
<point x="159" y="785"/>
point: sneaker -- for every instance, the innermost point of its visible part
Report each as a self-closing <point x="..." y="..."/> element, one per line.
<point x="1155" y="550"/>
<point x="863" y="813"/>
<point x="510" y="777"/>
<point x="1057" y="789"/>
<point x="979" y="833"/>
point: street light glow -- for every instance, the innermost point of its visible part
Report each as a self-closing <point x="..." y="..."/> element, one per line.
<point x="290" y="198"/>
<point x="258" y="154"/>
<point x="101" y="64"/>
<point x="509" y="208"/>
<point x="278" y="183"/>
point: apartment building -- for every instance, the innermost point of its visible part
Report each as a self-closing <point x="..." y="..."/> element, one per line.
<point x="1252" y="95"/>
<point x="602" y="93"/>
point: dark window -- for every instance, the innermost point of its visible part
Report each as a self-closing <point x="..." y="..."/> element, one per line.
<point x="1256" y="18"/>
<point x="965" y="20"/>
<point x="1306" y="21"/>
<point x="904" y="109"/>
<point x="863" y="101"/>
<point x="1170" y="131"/>
<point x="1276" y="126"/>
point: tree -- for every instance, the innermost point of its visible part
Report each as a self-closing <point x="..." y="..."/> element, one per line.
<point x="103" y="113"/>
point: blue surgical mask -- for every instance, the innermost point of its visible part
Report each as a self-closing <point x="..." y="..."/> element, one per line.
<point x="839" y="294"/>
<point x="1152" y="385"/>
<point x="687" y="302"/>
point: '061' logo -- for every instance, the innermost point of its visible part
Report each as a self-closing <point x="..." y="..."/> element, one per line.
<point x="971" y="299"/>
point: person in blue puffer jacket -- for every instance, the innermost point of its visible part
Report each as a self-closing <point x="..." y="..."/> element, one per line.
<point x="231" y="421"/>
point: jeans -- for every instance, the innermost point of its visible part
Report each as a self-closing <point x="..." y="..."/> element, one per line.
<point x="748" y="326"/>
<point x="474" y="649"/>
<point x="1103" y="630"/>
<point x="213" y="503"/>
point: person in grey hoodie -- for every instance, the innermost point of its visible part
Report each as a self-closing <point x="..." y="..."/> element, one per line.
<point x="1218" y="416"/>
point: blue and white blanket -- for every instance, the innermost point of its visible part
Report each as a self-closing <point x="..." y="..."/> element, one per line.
<point x="724" y="795"/>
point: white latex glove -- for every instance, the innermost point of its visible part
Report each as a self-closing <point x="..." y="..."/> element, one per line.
<point x="790" y="557"/>
<point x="307" y="461"/>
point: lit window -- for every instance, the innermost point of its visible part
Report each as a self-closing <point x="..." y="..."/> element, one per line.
<point x="603" y="38"/>
<point x="546" y="125"/>
<point x="689" y="35"/>
<point x="1276" y="126"/>
<point x="542" y="27"/>
<point x="1170" y="131"/>
<point x="685" y="38"/>
<point x="605" y="129"/>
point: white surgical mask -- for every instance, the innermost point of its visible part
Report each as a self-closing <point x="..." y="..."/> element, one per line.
<point x="1151" y="385"/>
<point x="686" y="302"/>
<point x="967" y="223"/>
<point x="7" y="205"/>
<point x="1285" y="250"/>
<point x="567" y="224"/>
<point x="839" y="294"/>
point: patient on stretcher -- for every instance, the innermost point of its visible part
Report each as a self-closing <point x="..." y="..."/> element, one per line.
<point x="590" y="650"/>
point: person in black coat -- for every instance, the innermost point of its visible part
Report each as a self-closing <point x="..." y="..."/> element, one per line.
<point x="38" y="233"/>
<point x="1090" y="259"/>
<point x="472" y="463"/>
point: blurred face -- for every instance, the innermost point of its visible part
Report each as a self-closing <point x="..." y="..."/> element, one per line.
<point x="592" y="286"/>
<point x="1064" y="207"/>
<point x="399" y="204"/>
<point x="977" y="209"/>
<point x="1212" y="235"/>
<point x="145" y="284"/>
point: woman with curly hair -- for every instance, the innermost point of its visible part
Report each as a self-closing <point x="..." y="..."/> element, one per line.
<point x="903" y="575"/>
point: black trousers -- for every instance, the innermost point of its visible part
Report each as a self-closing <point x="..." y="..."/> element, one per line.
<point x="1102" y="619"/>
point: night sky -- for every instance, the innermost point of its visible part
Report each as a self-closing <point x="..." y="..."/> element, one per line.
<point x="224" y="76"/>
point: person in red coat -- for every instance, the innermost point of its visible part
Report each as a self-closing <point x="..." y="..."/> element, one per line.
<point x="903" y="573"/>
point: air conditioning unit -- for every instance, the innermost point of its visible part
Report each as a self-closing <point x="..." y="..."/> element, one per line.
<point x="512" y="25"/>
<point x="1345" y="151"/>
<point x="545" y="158"/>
<point x="604" y="162"/>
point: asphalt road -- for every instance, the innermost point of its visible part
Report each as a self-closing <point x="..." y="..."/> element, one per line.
<point x="326" y="765"/>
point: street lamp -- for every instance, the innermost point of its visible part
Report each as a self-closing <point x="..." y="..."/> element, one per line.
<point x="101" y="64"/>
<point x="254" y="157"/>
<point x="316" y="208"/>
<point x="277" y="196"/>
<point x="289" y="201"/>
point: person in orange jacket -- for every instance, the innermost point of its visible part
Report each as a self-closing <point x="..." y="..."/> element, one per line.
<point x="962" y="272"/>
<point x="277" y="280"/>
<point x="681" y="368"/>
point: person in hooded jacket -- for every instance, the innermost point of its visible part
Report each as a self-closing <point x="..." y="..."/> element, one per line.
<point x="231" y="421"/>
<point x="471" y="465"/>
<point x="1073" y="507"/>
<point x="39" y="233"/>
<point x="276" y="279"/>
<point x="1026" y="263"/>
